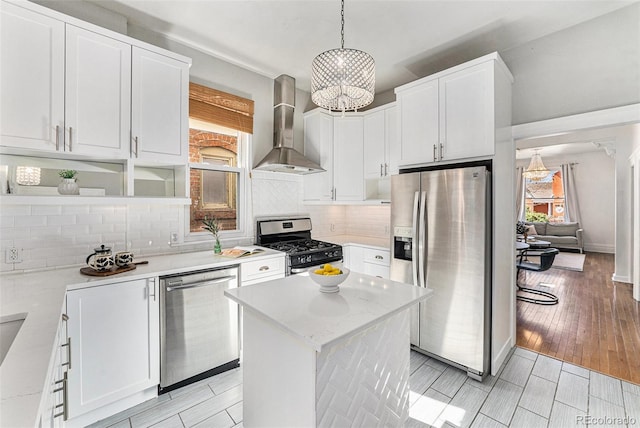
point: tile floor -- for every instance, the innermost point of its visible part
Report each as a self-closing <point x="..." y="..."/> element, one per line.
<point x="531" y="390"/>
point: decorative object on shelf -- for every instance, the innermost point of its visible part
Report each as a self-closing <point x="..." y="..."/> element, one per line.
<point x="213" y="226"/>
<point x="68" y="185"/>
<point x="328" y="277"/>
<point x="28" y="175"/>
<point x="343" y="79"/>
<point x="536" y="170"/>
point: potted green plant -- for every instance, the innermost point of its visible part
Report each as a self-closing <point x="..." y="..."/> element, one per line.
<point x="68" y="185"/>
<point x="213" y="226"/>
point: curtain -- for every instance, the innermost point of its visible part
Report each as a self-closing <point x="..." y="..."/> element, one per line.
<point x="571" y="206"/>
<point x="520" y="194"/>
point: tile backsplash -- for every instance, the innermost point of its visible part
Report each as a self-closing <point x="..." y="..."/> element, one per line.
<point x="64" y="235"/>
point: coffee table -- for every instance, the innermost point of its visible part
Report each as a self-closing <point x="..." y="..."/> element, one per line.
<point x="538" y="244"/>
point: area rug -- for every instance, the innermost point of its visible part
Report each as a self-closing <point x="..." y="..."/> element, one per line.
<point x="567" y="261"/>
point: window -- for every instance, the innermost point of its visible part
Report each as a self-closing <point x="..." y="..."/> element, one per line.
<point x="219" y="154"/>
<point x="544" y="199"/>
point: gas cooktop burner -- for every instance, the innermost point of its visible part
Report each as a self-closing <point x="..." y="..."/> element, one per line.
<point x="301" y="246"/>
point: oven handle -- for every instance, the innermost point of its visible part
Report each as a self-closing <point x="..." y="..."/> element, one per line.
<point x="305" y="269"/>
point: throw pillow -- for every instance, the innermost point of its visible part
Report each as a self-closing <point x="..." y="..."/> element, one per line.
<point x="531" y="230"/>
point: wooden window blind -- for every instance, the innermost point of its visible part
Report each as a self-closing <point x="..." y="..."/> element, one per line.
<point x="221" y="108"/>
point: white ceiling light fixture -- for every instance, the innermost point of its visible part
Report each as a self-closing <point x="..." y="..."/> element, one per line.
<point x="28" y="175"/>
<point x="343" y="79"/>
<point x="536" y="170"/>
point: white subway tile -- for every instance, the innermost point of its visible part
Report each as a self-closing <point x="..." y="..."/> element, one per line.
<point x="74" y="229"/>
<point x="45" y="233"/>
<point x="59" y="220"/>
<point x="14" y="233"/>
<point x="102" y="209"/>
<point x="30" y="220"/>
<point x="103" y="228"/>
<point x="46" y="210"/>
<point x="17" y="210"/>
<point x="92" y="218"/>
<point x="7" y="221"/>
<point x="75" y="209"/>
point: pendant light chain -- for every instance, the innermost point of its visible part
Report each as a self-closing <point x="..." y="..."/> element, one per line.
<point x="342" y="22"/>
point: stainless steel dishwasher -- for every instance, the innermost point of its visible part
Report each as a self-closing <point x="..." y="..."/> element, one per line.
<point x="198" y="326"/>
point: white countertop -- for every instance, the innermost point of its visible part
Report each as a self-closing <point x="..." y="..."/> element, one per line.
<point x="296" y="305"/>
<point x="366" y="241"/>
<point x="41" y="295"/>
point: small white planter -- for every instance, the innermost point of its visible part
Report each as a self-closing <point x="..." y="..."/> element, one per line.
<point x="68" y="186"/>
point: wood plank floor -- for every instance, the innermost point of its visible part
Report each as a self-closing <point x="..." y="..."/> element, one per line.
<point x="596" y="323"/>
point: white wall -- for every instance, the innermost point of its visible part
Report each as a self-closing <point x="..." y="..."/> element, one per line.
<point x="595" y="181"/>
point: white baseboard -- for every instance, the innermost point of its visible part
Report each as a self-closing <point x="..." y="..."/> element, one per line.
<point x="600" y="248"/>
<point x="620" y="278"/>
<point x="499" y="359"/>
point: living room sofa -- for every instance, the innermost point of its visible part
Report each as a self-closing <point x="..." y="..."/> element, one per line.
<point x="561" y="235"/>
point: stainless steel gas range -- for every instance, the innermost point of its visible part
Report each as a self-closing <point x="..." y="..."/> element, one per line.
<point x="293" y="236"/>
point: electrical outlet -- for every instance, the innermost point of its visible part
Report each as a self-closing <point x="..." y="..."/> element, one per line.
<point x="174" y="237"/>
<point x="13" y="255"/>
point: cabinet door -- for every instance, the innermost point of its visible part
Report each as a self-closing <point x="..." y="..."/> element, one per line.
<point x="114" y="332"/>
<point x="374" y="269"/>
<point x="392" y="140"/>
<point x="374" y="144"/>
<point x="348" y="150"/>
<point x="318" y="147"/>
<point x="32" y="78"/>
<point x="466" y="113"/>
<point x="159" y="107"/>
<point x="98" y="94"/>
<point x="418" y="123"/>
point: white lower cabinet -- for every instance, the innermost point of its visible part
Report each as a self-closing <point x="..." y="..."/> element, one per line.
<point x="114" y="335"/>
<point x="54" y="404"/>
<point x="369" y="260"/>
<point x="263" y="270"/>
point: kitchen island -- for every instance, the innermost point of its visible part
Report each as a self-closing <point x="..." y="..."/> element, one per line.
<point x="326" y="359"/>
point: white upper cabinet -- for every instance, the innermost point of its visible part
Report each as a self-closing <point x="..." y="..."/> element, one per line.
<point x="73" y="87"/>
<point x="381" y="142"/>
<point x="451" y="116"/>
<point x="160" y="107"/>
<point x="318" y="147"/>
<point x="466" y="113"/>
<point x="418" y="109"/>
<point x="97" y="94"/>
<point x="348" y="150"/>
<point x="32" y="79"/>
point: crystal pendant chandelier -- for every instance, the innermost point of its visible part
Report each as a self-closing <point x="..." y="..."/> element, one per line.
<point x="343" y="79"/>
<point x="536" y="170"/>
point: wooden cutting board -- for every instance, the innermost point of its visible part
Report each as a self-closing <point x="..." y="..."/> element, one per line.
<point x="92" y="272"/>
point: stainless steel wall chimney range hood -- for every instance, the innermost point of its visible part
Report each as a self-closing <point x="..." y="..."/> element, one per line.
<point x="283" y="157"/>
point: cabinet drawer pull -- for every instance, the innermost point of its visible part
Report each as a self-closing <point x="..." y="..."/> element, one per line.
<point x="263" y="268"/>
<point x="57" y="138"/>
<point x="435" y="156"/>
<point x="378" y="257"/>
<point x="386" y="170"/>
<point x="441" y="147"/>
<point x="136" y="141"/>
<point x="65" y="410"/>
<point x="70" y="138"/>
<point x="380" y="170"/>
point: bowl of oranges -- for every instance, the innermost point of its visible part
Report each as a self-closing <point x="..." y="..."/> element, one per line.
<point x="328" y="277"/>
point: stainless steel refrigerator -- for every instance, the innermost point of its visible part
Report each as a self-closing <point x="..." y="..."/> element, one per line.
<point x="441" y="225"/>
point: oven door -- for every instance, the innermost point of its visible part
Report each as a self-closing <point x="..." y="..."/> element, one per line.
<point x="337" y="261"/>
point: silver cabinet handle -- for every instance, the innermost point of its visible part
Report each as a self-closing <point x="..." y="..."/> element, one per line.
<point x="379" y="257"/>
<point x="263" y="268"/>
<point x="152" y="286"/>
<point x="63" y="388"/>
<point x="70" y="138"/>
<point x="57" y="138"/>
<point x="135" y="140"/>
<point x="441" y="147"/>
<point x="435" y="156"/>
<point x="386" y="170"/>
<point x="380" y="170"/>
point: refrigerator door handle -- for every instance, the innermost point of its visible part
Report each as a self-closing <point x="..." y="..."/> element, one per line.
<point x="414" y="239"/>
<point x="422" y="256"/>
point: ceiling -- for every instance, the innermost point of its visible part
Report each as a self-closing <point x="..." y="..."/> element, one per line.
<point x="407" y="39"/>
